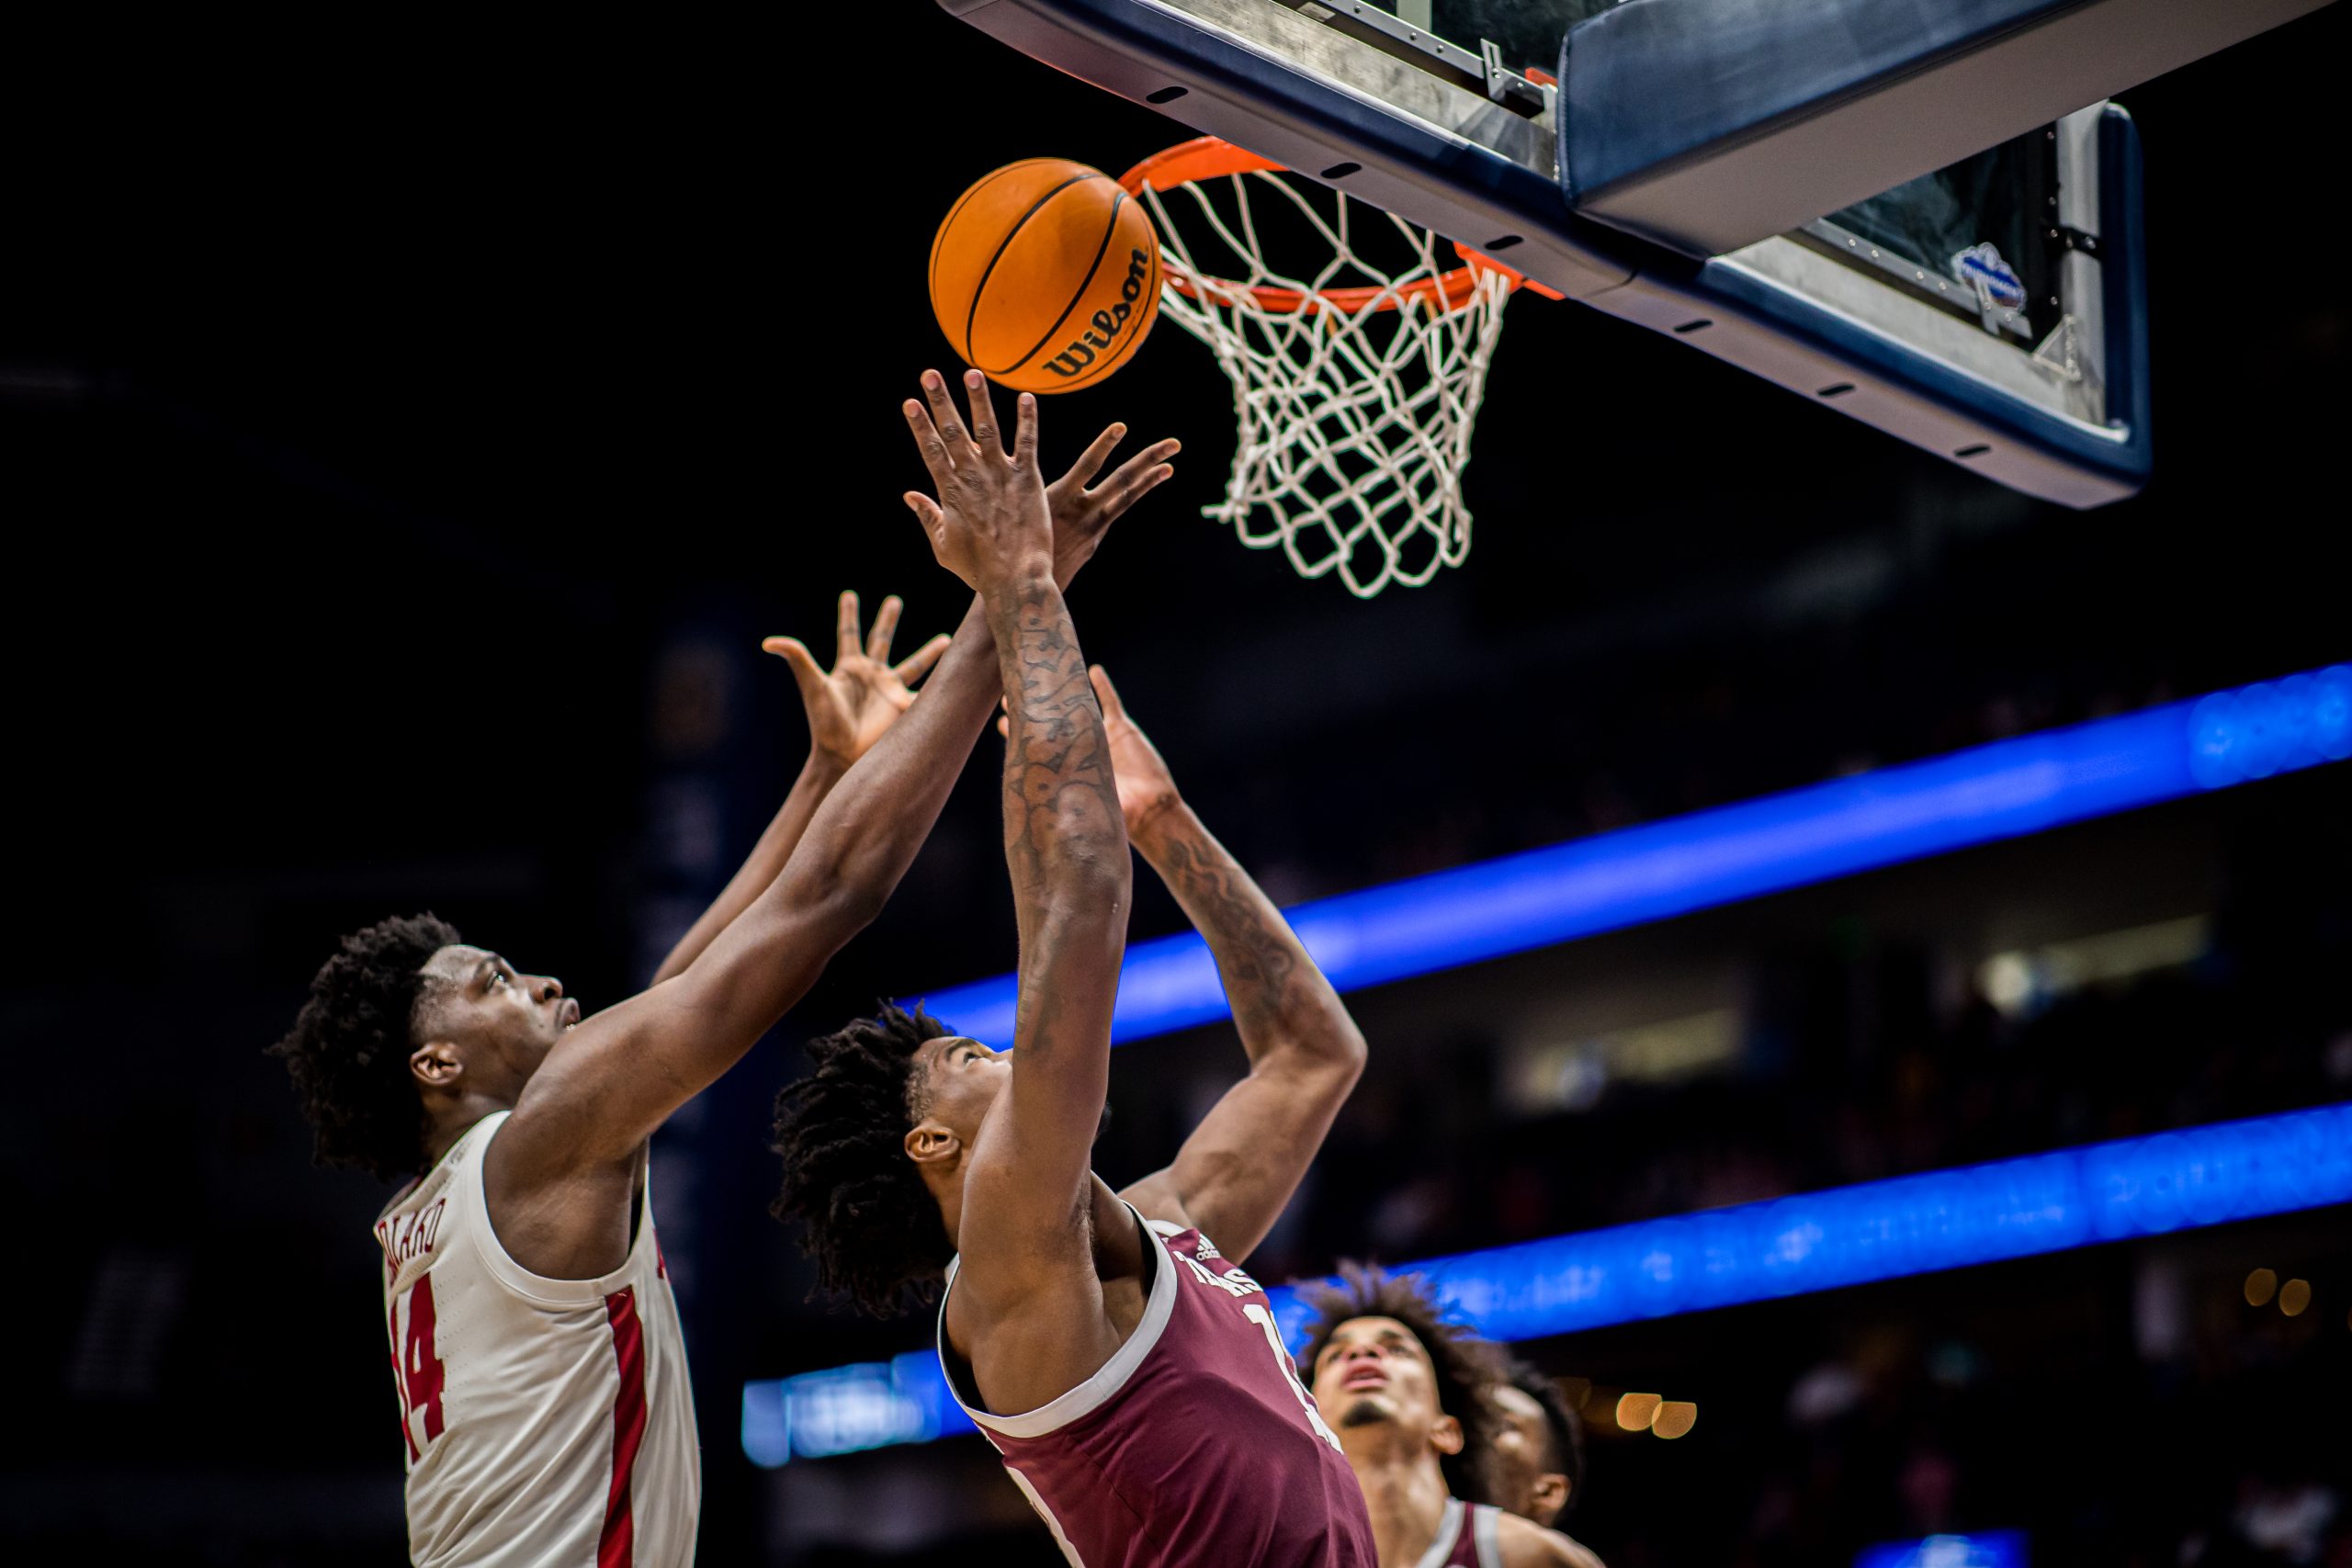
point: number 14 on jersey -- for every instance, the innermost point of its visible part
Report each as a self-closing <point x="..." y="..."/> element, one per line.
<point x="416" y="1369"/>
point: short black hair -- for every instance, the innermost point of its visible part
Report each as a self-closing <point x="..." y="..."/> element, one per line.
<point x="1466" y="1367"/>
<point x="348" y="1053"/>
<point x="1560" y="1418"/>
<point x="867" y="1220"/>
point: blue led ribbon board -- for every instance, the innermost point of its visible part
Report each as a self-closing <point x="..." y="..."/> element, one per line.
<point x="1685" y="864"/>
<point x="1788" y="1247"/>
<point x="869" y="1405"/>
<point x="1986" y="1549"/>
<point x="1888" y="1230"/>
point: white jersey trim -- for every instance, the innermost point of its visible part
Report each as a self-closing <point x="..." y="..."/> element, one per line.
<point x="1070" y="1552"/>
<point x="1486" y="1534"/>
<point x="538" y="1288"/>
<point x="1449" y="1530"/>
<point x="1108" y="1378"/>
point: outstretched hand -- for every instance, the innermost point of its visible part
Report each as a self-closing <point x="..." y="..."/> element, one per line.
<point x="990" y="525"/>
<point x="852" y="705"/>
<point x="1079" y="511"/>
<point x="1082" y="515"/>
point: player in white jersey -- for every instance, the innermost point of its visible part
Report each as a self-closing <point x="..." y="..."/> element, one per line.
<point x="545" y="1410"/>
<point x="572" y="1392"/>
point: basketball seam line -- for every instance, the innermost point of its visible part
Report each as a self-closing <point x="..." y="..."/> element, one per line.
<point x="973" y="315"/>
<point x="964" y="200"/>
<point x="1084" y="284"/>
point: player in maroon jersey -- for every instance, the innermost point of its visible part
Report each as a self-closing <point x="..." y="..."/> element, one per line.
<point x="1411" y="1394"/>
<point x="1129" y="1375"/>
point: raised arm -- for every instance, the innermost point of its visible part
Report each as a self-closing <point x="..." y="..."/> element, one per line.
<point x="619" y="1073"/>
<point x="1239" y="1168"/>
<point x="849" y="707"/>
<point x="1028" y="1185"/>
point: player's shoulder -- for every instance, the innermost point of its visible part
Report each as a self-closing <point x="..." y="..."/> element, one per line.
<point x="1156" y="1199"/>
<point x="1526" y="1544"/>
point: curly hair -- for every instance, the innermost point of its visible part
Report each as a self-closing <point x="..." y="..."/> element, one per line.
<point x="867" y="1220"/>
<point x="1466" y="1366"/>
<point x="348" y="1053"/>
<point x="1560" y="1418"/>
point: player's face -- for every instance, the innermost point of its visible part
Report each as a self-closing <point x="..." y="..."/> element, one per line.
<point x="1524" y="1474"/>
<point x="1373" y="1369"/>
<point x="502" y="1021"/>
<point x="962" y="1079"/>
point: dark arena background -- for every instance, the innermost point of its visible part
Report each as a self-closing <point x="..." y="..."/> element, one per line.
<point x="408" y="431"/>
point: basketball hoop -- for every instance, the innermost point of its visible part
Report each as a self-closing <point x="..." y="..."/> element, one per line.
<point x="1355" y="400"/>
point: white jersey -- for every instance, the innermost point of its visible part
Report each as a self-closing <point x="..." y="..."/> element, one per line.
<point x="547" y="1422"/>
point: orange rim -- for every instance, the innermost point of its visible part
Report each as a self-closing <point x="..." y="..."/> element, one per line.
<point x="1213" y="157"/>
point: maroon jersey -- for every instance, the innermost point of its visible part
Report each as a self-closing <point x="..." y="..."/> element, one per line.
<point x="1465" y="1538"/>
<point x="1194" y="1443"/>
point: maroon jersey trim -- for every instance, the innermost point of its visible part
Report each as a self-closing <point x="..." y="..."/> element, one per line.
<point x="1108" y="1378"/>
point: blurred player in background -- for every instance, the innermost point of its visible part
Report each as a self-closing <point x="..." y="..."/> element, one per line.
<point x="1128" y="1372"/>
<point x="1534" y="1466"/>
<point x="1409" y="1393"/>
<point x="542" y="1378"/>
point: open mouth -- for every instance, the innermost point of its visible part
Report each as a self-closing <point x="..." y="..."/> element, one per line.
<point x="568" y="1015"/>
<point x="1361" y="1378"/>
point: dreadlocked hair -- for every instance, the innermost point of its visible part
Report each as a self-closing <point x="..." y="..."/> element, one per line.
<point x="348" y="1053"/>
<point x="1466" y="1366"/>
<point x="1560" y="1418"/>
<point x="867" y="1220"/>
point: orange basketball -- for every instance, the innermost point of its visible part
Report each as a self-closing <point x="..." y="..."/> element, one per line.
<point x="1045" y="274"/>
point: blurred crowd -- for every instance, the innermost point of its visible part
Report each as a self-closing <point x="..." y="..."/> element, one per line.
<point x="2119" y="1405"/>
<point x="1817" y="1099"/>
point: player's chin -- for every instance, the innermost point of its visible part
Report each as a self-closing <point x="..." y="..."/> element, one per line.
<point x="1365" y="1413"/>
<point x="1102" y="1123"/>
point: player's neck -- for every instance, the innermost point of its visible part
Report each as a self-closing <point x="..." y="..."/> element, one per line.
<point x="1404" y="1490"/>
<point x="450" y="1119"/>
<point x="950" y="1197"/>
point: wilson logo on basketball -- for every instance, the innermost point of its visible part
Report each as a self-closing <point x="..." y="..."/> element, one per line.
<point x="1105" y="324"/>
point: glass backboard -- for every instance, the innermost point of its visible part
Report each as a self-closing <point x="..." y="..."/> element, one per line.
<point x="1989" y="311"/>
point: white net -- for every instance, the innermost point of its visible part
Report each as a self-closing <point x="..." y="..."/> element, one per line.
<point x="1355" y="385"/>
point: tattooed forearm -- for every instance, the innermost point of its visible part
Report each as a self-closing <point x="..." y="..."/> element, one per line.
<point x="1279" y="998"/>
<point x="1065" y="842"/>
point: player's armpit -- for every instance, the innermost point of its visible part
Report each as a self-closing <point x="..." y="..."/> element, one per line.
<point x="1156" y="1198"/>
